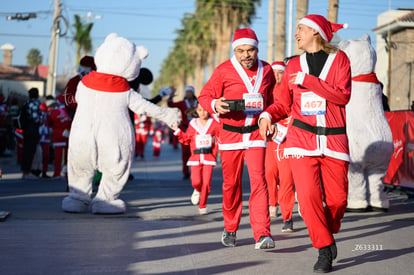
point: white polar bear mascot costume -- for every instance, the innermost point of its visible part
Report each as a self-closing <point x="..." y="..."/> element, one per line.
<point x="102" y="136"/>
<point x="369" y="135"/>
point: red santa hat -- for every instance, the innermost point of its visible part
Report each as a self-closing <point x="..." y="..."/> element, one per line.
<point x="278" y="65"/>
<point x="322" y="25"/>
<point x="245" y="37"/>
<point x="88" y="61"/>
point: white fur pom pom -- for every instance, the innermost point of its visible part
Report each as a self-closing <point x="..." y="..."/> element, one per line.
<point x="345" y="25"/>
<point x="142" y="52"/>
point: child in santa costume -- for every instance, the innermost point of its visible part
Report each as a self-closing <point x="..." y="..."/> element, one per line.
<point x="187" y="107"/>
<point x="200" y="136"/>
<point x="238" y="90"/>
<point x="60" y="123"/>
<point x="102" y="136"/>
<point x="315" y="88"/>
<point x="278" y="171"/>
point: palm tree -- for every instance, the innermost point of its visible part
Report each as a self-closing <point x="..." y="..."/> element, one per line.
<point x="333" y="10"/>
<point x="34" y="58"/>
<point x="82" y="38"/>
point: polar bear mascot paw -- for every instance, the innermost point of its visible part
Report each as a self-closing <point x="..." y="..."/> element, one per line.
<point x="74" y="205"/>
<point x="108" y="207"/>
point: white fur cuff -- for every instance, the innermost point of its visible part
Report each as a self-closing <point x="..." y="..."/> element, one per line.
<point x="300" y="77"/>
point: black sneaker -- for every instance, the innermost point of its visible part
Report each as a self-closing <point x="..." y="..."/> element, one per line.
<point x="324" y="263"/>
<point x="288" y="226"/>
<point x="334" y="250"/>
<point x="45" y="176"/>
<point x="264" y="242"/>
<point x="228" y="238"/>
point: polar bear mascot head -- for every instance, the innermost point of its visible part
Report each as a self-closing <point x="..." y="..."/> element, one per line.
<point x="119" y="56"/>
<point x="361" y="55"/>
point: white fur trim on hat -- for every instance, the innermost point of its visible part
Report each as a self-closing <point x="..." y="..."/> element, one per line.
<point x="245" y="41"/>
<point x="278" y="67"/>
<point x="307" y="22"/>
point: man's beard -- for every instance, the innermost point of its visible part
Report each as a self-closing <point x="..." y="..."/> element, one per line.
<point x="249" y="65"/>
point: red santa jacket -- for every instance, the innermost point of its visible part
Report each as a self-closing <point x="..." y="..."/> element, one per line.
<point x="143" y="125"/>
<point x="70" y="92"/>
<point x="60" y="122"/>
<point x="231" y="81"/>
<point x="200" y="136"/>
<point x="333" y="86"/>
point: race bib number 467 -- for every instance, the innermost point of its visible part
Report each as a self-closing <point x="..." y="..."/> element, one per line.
<point x="253" y="104"/>
<point x="312" y="104"/>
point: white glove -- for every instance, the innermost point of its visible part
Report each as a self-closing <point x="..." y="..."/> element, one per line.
<point x="173" y="117"/>
<point x="165" y="91"/>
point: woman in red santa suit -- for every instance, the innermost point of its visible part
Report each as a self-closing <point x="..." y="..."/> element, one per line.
<point x="238" y="90"/>
<point x="187" y="108"/>
<point x="315" y="88"/>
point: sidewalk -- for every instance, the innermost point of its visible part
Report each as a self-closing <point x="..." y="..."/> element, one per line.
<point x="162" y="233"/>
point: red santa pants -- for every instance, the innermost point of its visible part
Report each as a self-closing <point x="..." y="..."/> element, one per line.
<point x="319" y="180"/>
<point x="232" y="164"/>
<point x="286" y="194"/>
<point x="45" y="155"/>
<point x="201" y="181"/>
<point x="140" y="141"/>
<point x="185" y="155"/>
<point x="271" y="172"/>
<point x="60" y="149"/>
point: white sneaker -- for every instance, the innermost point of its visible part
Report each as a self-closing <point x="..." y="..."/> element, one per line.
<point x="195" y="197"/>
<point x="203" y="211"/>
<point x="274" y="211"/>
<point x="30" y="177"/>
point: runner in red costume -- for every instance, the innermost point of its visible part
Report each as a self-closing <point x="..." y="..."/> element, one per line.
<point x="44" y="131"/>
<point x="60" y="122"/>
<point x="187" y="108"/>
<point x="143" y="128"/>
<point x="315" y="89"/>
<point x="278" y="170"/>
<point x="247" y="82"/>
<point x="86" y="65"/>
<point x="200" y="136"/>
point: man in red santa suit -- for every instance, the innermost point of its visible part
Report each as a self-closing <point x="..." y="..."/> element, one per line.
<point x="86" y="65"/>
<point x="315" y="88"/>
<point x="238" y="90"/>
<point x="187" y="108"/>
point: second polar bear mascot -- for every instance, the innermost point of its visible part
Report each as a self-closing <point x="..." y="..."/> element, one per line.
<point x="102" y="136"/>
<point x="369" y="135"/>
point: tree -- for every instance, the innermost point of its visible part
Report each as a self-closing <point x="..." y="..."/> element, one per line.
<point x="280" y="30"/>
<point x="34" y="58"/>
<point x="82" y="38"/>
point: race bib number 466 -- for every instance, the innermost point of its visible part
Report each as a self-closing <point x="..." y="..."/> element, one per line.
<point x="253" y="104"/>
<point x="312" y="104"/>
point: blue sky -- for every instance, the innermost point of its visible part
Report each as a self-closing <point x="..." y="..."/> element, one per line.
<point x="153" y="24"/>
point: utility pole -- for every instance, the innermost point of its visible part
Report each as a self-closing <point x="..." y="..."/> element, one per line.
<point x="281" y="30"/>
<point x="271" y="32"/>
<point x="51" y="76"/>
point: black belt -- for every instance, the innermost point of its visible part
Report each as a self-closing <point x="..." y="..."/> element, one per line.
<point x="242" y="129"/>
<point x="203" y="151"/>
<point x="235" y="104"/>
<point x="323" y="131"/>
